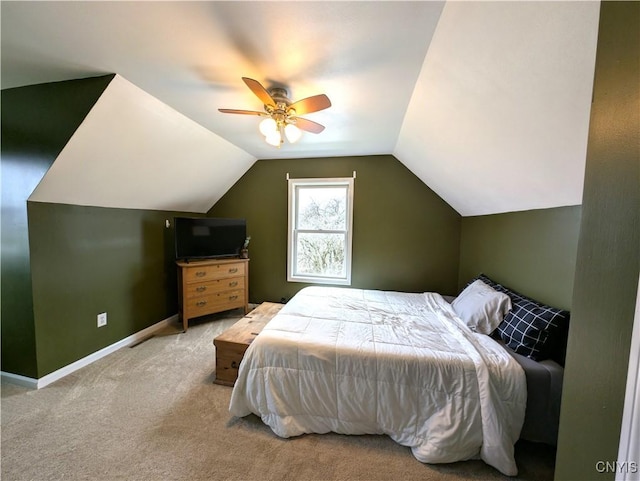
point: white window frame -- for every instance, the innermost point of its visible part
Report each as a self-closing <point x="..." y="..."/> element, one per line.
<point x="292" y="275"/>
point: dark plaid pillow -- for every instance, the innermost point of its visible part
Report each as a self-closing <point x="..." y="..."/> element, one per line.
<point x="531" y="328"/>
<point x="492" y="284"/>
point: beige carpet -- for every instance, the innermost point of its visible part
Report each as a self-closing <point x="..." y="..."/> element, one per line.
<point x="151" y="412"/>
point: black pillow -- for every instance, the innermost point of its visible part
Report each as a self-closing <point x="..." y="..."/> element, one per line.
<point x="531" y="328"/>
<point x="491" y="283"/>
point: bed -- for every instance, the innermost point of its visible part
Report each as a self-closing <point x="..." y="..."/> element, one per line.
<point x="544" y="394"/>
<point x="355" y="361"/>
<point x="451" y="378"/>
<point x="535" y="335"/>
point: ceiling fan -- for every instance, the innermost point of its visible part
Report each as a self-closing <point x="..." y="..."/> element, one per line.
<point x="281" y="115"/>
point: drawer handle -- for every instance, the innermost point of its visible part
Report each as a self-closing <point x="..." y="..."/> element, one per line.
<point x="233" y="270"/>
<point x="233" y="298"/>
<point x="234" y="365"/>
<point x="201" y="303"/>
<point x="201" y="288"/>
<point x="233" y="284"/>
<point x="201" y="273"/>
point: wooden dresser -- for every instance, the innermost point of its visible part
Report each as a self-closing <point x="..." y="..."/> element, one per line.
<point x="232" y="343"/>
<point x="210" y="286"/>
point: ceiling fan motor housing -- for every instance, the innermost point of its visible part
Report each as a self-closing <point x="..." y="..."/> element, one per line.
<point x="281" y="112"/>
<point x="280" y="109"/>
<point x="279" y="96"/>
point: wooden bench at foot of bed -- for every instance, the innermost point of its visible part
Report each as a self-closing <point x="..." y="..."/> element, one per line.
<point x="232" y="343"/>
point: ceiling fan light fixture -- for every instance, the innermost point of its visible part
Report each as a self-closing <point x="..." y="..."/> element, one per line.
<point x="292" y="133"/>
<point x="273" y="138"/>
<point x="268" y="126"/>
<point x="282" y="115"/>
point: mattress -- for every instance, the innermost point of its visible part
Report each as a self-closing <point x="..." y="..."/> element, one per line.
<point x="355" y="361"/>
<point x="544" y="392"/>
<point x="544" y="395"/>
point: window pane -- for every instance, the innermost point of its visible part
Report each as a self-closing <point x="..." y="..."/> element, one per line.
<point x="322" y="208"/>
<point x="321" y="254"/>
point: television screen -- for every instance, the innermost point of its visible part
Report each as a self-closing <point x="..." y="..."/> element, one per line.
<point x="208" y="237"/>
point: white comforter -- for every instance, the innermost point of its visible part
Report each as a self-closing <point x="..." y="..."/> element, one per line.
<point x="357" y="361"/>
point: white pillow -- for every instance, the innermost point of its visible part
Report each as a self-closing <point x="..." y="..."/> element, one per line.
<point x="481" y="307"/>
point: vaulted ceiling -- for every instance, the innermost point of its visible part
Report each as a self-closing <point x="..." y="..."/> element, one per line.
<point x="486" y="102"/>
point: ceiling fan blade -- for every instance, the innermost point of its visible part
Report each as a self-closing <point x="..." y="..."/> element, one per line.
<point x="257" y="88"/>
<point x="243" y="112"/>
<point x="311" y="104"/>
<point x="309" y="125"/>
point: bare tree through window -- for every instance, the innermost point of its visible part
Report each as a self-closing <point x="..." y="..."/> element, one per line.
<point x="320" y="233"/>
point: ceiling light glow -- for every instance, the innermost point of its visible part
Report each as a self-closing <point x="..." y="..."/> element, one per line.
<point x="292" y="133"/>
<point x="268" y="126"/>
<point x="274" y="138"/>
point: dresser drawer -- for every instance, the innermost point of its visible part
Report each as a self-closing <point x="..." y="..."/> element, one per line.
<point x="214" y="271"/>
<point x="221" y="301"/>
<point x="205" y="288"/>
<point x="212" y="285"/>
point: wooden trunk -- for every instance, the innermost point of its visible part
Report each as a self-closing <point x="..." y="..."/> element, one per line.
<point x="232" y="343"/>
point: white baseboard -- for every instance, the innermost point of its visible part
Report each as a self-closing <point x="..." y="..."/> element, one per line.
<point x="85" y="361"/>
<point x="19" y="380"/>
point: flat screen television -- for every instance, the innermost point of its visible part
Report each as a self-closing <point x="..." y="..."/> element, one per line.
<point x="208" y="237"/>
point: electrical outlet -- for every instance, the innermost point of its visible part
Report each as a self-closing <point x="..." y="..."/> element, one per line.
<point x="102" y="319"/>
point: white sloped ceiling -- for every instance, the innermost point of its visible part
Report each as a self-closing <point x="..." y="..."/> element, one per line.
<point x="133" y="151"/>
<point x="499" y="117"/>
<point x="487" y="102"/>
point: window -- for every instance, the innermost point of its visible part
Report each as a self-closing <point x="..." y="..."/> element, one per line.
<point x="320" y="221"/>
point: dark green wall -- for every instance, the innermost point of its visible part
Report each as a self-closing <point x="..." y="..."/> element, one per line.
<point x="608" y="258"/>
<point x="37" y="122"/>
<point x="405" y="237"/>
<point x="88" y="260"/>
<point x="61" y="264"/>
<point x="533" y="252"/>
